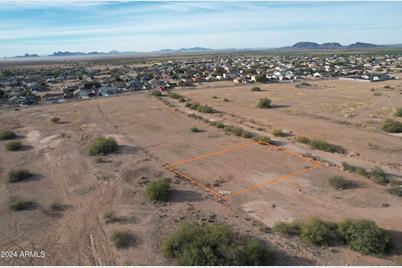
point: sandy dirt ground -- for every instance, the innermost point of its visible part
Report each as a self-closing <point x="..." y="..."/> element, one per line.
<point x="151" y="135"/>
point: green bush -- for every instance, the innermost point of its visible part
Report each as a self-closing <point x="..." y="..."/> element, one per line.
<point x="174" y="95"/>
<point x="214" y="245"/>
<point x="284" y="228"/>
<point x="228" y="128"/>
<point x="226" y="100"/>
<point x="398" y="112"/>
<point x="355" y="169"/>
<point x="263" y="139"/>
<point x="237" y="131"/>
<point x="13" y="145"/>
<point x="7" y="135"/>
<point x="159" y="190"/>
<point x="364" y="236"/>
<point x="21" y="204"/>
<point x="278" y="132"/>
<point x="247" y="134"/>
<point x="156" y="93"/>
<point x="195" y="129"/>
<point x="121" y="239"/>
<point x="316" y="232"/>
<point x="326" y="147"/>
<point x="205" y="109"/>
<point x="194" y="106"/>
<point x="340" y="183"/>
<point x="392" y="126"/>
<point x="103" y="146"/>
<point x="396" y="190"/>
<point x="301" y="139"/>
<point x="55" y="120"/>
<point x="188" y="105"/>
<point x="255" y="89"/>
<point x="379" y="175"/>
<point x="19" y="175"/>
<point x="220" y="125"/>
<point x="264" y="103"/>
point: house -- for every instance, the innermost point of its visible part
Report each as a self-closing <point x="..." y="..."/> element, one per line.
<point x="53" y="97"/>
<point x="107" y="91"/>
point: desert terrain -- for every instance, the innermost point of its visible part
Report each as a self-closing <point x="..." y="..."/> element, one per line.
<point x="244" y="184"/>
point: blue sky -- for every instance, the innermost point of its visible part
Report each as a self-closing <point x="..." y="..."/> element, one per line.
<point x="45" y="27"/>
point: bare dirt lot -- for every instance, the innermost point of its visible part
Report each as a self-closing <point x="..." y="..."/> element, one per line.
<point x="151" y="135"/>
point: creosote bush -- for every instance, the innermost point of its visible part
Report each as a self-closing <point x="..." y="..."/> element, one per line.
<point x="379" y="175"/>
<point x="196" y="129"/>
<point x="255" y="89"/>
<point x="263" y="139"/>
<point x="20" y="204"/>
<point x="214" y="245"/>
<point x="13" y="145"/>
<point x="19" y="175"/>
<point x="396" y="190"/>
<point x="284" y="228"/>
<point x="398" y="112"/>
<point x="326" y="147"/>
<point x="103" y="146"/>
<point x="264" y="103"/>
<point x="392" y="126"/>
<point x="277" y="132"/>
<point x="340" y="183"/>
<point x="7" y="135"/>
<point x="301" y="139"/>
<point x="55" y="120"/>
<point x="364" y="236"/>
<point x="156" y="93"/>
<point x="121" y="239"/>
<point x="355" y="169"/>
<point x="159" y="190"/>
<point x="316" y="232"/>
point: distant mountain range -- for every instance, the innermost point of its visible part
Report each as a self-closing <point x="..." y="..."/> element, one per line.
<point x="332" y="45"/>
<point x="300" y="46"/>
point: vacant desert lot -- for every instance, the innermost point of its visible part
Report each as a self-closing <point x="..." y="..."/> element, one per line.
<point x="347" y="113"/>
<point x="152" y="135"/>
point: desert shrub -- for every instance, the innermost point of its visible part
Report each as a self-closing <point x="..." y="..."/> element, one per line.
<point x="316" y="232"/>
<point x="255" y="89"/>
<point x="228" y="128"/>
<point x="388" y="87"/>
<point x="21" y="204"/>
<point x="226" y="100"/>
<point x="263" y="139"/>
<point x="392" y="126"/>
<point x="303" y="140"/>
<point x="195" y="129"/>
<point x="287" y="228"/>
<point x="110" y="217"/>
<point x="55" y="120"/>
<point x="103" y="146"/>
<point x="188" y="104"/>
<point x="182" y="99"/>
<point x="13" y="145"/>
<point x="264" y="103"/>
<point x="159" y="190"/>
<point x="121" y="239"/>
<point x="364" y="236"/>
<point x="379" y="175"/>
<point x="220" y="125"/>
<point x="247" y="134"/>
<point x="215" y="97"/>
<point x="156" y="93"/>
<point x="355" y="169"/>
<point x="7" y="135"/>
<point x="278" y="132"/>
<point x="398" y="112"/>
<point x="174" y="95"/>
<point x="19" y="175"/>
<point x="194" y="106"/>
<point x="396" y="190"/>
<point x="237" y="131"/>
<point x="214" y="245"/>
<point x="340" y="183"/>
<point x="205" y="109"/>
<point x="326" y="147"/>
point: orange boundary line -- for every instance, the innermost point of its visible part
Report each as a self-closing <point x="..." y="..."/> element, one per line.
<point x="270" y="181"/>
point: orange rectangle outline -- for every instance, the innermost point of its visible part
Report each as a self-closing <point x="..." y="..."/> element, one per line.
<point x="172" y="168"/>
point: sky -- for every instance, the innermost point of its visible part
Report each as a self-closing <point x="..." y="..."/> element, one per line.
<point x="45" y="27"/>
